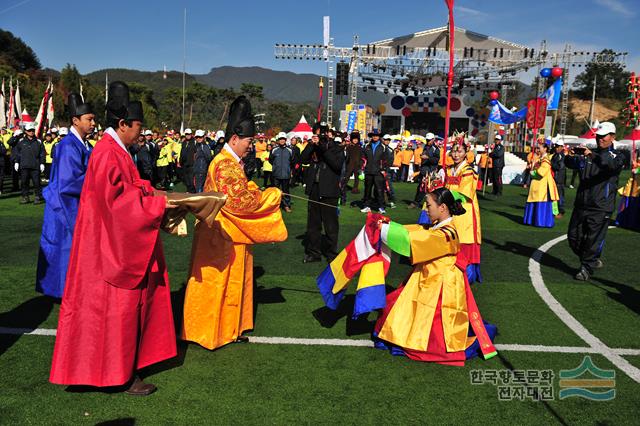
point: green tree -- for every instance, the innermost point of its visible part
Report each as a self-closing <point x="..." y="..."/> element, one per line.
<point x="16" y="53"/>
<point x="252" y="91"/>
<point x="144" y="94"/>
<point x="70" y="79"/>
<point x="611" y="80"/>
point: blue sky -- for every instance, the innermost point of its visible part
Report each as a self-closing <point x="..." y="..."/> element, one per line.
<point x="147" y="35"/>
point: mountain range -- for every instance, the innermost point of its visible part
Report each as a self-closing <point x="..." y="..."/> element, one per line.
<point x="282" y="86"/>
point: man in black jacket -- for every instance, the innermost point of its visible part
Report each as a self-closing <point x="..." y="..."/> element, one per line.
<point x="201" y="158"/>
<point x="187" y="158"/>
<point x="144" y="159"/>
<point x="28" y="158"/>
<point x="375" y="156"/>
<point x="387" y="164"/>
<point x="559" y="174"/>
<point x="595" y="200"/>
<point x="497" y="155"/>
<point x="322" y="179"/>
<point x="281" y="159"/>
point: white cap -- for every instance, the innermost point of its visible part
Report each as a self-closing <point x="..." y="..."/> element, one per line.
<point x="148" y="132"/>
<point x="63" y="131"/>
<point x="187" y="131"/>
<point x="387" y="136"/>
<point x="54" y="130"/>
<point x="338" y="139"/>
<point x="30" y="125"/>
<point x="498" y="138"/>
<point x="199" y="133"/>
<point x="281" y="135"/>
<point x="605" y="128"/>
<point x="17" y="132"/>
<point x="430" y="136"/>
<point x="219" y="134"/>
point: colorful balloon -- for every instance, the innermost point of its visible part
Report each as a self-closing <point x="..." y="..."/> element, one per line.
<point x="545" y="72"/>
<point x="556" y="72"/>
<point x="493" y="102"/>
<point x="494" y="95"/>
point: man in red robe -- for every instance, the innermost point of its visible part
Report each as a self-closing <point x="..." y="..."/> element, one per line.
<point x="115" y="316"/>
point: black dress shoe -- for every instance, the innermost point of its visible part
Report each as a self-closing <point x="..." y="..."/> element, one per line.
<point x="309" y="259"/>
<point x="140" y="388"/>
<point x="242" y="339"/>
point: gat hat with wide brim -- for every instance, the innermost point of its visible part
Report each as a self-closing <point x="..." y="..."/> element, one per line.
<point x="119" y="107"/>
<point x="77" y="106"/>
<point x="240" y="120"/>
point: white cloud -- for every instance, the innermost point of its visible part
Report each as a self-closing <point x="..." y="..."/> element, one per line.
<point x="616" y="6"/>
<point x="471" y="12"/>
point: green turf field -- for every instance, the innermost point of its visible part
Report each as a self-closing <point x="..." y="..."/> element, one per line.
<point x="287" y="384"/>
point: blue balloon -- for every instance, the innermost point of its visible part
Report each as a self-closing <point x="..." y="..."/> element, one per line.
<point x="493" y="102"/>
<point x="545" y="72"/>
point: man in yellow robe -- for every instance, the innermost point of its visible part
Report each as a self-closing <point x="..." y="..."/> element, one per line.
<point x="218" y="304"/>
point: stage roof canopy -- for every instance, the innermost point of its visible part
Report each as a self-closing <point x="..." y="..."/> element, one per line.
<point x="437" y="37"/>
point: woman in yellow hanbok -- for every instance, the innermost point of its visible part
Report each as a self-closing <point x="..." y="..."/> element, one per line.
<point x="463" y="179"/>
<point x="430" y="317"/>
<point x="542" y="203"/>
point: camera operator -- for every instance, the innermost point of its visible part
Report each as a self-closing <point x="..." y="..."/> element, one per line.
<point x="595" y="200"/>
<point x="322" y="179"/>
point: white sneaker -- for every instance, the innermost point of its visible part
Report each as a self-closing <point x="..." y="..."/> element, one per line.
<point x="365" y="210"/>
<point x="392" y="205"/>
<point x="382" y="211"/>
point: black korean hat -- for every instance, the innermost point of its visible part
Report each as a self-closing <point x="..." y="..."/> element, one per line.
<point x="77" y="106"/>
<point x="240" y="120"/>
<point x="119" y="107"/>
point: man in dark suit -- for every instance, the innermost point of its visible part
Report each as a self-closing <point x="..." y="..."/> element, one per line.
<point x="375" y="156"/>
<point x="322" y="180"/>
<point x="497" y="155"/>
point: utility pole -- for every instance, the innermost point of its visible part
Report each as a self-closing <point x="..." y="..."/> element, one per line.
<point x="593" y="102"/>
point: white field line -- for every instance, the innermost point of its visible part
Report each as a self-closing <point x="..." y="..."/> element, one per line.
<point x="594" y="343"/>
<point x="358" y="343"/>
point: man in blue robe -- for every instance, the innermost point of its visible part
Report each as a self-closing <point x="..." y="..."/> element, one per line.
<point x="62" y="197"/>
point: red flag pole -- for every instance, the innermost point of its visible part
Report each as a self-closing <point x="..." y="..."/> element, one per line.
<point x="449" y="82"/>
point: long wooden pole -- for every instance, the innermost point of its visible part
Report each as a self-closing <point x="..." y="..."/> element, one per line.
<point x="451" y="30"/>
<point x="184" y="61"/>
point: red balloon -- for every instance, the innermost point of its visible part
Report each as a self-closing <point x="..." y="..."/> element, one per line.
<point x="494" y="95"/>
<point x="556" y="72"/>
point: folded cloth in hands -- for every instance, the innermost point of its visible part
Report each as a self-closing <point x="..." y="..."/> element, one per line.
<point x="204" y="206"/>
